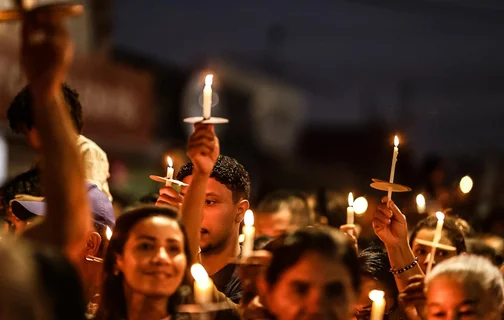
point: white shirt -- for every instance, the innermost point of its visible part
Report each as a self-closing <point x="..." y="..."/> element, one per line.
<point x="96" y="165"/>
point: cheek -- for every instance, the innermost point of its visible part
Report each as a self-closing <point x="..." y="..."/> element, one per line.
<point x="219" y="216"/>
<point x="283" y="303"/>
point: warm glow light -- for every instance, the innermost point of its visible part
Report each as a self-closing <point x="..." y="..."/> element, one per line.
<point x="170" y="161"/>
<point x="199" y="273"/>
<point x="249" y="218"/>
<point x="440" y="215"/>
<point x="241" y="238"/>
<point x="420" y="200"/>
<point x="396" y="141"/>
<point x="209" y="80"/>
<point x="466" y="184"/>
<point x="350" y="200"/>
<point x="376" y="295"/>
<point x="108" y="233"/>
<point x="360" y="205"/>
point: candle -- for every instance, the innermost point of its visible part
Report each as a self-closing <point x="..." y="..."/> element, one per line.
<point x="466" y="184"/>
<point x="249" y="233"/>
<point x="437" y="237"/>
<point x="420" y="203"/>
<point x="207" y="97"/>
<point x="169" y="171"/>
<point x="392" y="169"/>
<point x="108" y="233"/>
<point x="378" y="308"/>
<point x="350" y="212"/>
<point x="203" y="285"/>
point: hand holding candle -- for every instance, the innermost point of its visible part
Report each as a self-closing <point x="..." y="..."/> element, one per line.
<point x="207" y="97"/>
<point x="203" y="285"/>
<point x="378" y="308"/>
<point x="394" y="162"/>
<point x="350" y="212"/>
<point x="249" y="233"/>
<point x="437" y="237"/>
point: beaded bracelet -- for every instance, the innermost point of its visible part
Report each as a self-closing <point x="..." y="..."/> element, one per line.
<point x="399" y="271"/>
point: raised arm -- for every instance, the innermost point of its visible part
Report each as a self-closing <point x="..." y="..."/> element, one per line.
<point x="46" y="53"/>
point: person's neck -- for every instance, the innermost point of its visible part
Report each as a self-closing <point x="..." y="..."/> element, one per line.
<point x="213" y="261"/>
<point x="141" y="307"/>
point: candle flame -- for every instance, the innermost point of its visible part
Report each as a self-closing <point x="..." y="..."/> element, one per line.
<point x="466" y="184"/>
<point x="396" y="141"/>
<point x="420" y="200"/>
<point x="170" y="161"/>
<point x="376" y="295"/>
<point x="108" y="233"/>
<point x="209" y="80"/>
<point x="350" y="200"/>
<point x="440" y="215"/>
<point x="249" y="218"/>
<point x="199" y="273"/>
<point x="360" y="205"/>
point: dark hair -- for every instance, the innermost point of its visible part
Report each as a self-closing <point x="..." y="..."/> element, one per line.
<point x="295" y="202"/>
<point x="150" y="198"/>
<point x="25" y="183"/>
<point x="288" y="249"/>
<point x="480" y="248"/>
<point x="21" y="108"/>
<point x="228" y="172"/>
<point x="113" y="304"/>
<point x="374" y="263"/>
<point x="450" y="227"/>
<point x="262" y="241"/>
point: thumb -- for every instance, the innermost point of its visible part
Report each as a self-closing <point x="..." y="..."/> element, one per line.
<point x="397" y="214"/>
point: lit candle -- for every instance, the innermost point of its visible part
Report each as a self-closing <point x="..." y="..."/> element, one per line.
<point x="350" y="212"/>
<point x="392" y="169"/>
<point x="437" y="237"/>
<point x="169" y="171"/>
<point x="378" y="308"/>
<point x="203" y="285"/>
<point x="420" y="203"/>
<point x="466" y="184"/>
<point x="108" y="233"/>
<point x="249" y="233"/>
<point x="207" y="97"/>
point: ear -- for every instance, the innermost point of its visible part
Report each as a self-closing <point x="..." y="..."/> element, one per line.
<point x="242" y="206"/>
<point x="93" y="244"/>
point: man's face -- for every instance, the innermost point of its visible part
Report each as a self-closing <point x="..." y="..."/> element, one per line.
<point x="273" y="224"/>
<point x="220" y="216"/>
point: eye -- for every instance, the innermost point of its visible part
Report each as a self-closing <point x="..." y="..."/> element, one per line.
<point x="442" y="253"/>
<point x="174" y="249"/>
<point x="210" y="202"/>
<point x="335" y="289"/>
<point x="301" y="288"/>
<point x="420" y="252"/>
<point x="145" y="246"/>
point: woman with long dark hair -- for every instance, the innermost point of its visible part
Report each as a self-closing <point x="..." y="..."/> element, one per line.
<point x="146" y="263"/>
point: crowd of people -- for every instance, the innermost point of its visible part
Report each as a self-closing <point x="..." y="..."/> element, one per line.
<point x="65" y="254"/>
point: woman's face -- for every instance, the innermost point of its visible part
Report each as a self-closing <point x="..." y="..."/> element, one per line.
<point x="314" y="288"/>
<point x="423" y="252"/>
<point x="153" y="261"/>
<point x="364" y="304"/>
<point x="450" y="299"/>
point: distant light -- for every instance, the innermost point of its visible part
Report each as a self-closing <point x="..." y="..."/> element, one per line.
<point x="108" y="233"/>
<point x="360" y="205"/>
<point x="420" y="202"/>
<point x="466" y="184"/>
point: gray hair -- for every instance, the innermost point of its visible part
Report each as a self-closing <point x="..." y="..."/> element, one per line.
<point x="473" y="270"/>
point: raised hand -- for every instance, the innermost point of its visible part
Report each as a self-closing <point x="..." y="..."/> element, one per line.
<point x="389" y="223"/>
<point x="203" y="148"/>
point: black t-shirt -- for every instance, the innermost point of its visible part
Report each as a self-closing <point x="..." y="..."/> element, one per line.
<point x="226" y="281"/>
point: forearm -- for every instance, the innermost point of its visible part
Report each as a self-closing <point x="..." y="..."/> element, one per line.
<point x="401" y="256"/>
<point x="192" y="210"/>
<point x="68" y="213"/>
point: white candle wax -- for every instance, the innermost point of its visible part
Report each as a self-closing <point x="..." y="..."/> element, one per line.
<point x="437" y="237"/>
<point x="169" y="171"/>
<point x="249" y="233"/>
<point x="207" y="97"/>
<point x="350" y="212"/>
<point x="394" y="162"/>
<point x="203" y="285"/>
<point x="379" y="303"/>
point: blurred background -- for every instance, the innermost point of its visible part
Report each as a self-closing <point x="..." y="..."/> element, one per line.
<point x="315" y="92"/>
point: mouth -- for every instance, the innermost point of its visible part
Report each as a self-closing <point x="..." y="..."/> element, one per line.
<point x="159" y="274"/>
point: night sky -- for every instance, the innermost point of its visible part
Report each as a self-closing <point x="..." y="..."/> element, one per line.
<point x="453" y="56"/>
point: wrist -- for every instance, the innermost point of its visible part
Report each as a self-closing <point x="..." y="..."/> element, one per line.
<point x="199" y="174"/>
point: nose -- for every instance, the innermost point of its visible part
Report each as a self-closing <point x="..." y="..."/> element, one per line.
<point x="315" y="302"/>
<point x="161" y="257"/>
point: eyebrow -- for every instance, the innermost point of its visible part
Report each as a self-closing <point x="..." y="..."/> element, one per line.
<point x="153" y="239"/>
<point x="212" y="194"/>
